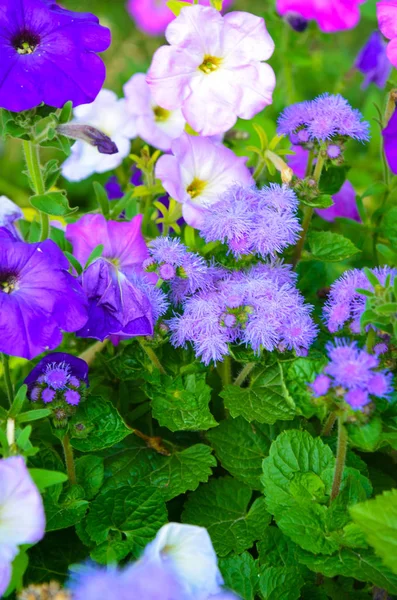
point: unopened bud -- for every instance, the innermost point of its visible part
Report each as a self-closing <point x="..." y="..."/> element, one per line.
<point x="90" y="135"/>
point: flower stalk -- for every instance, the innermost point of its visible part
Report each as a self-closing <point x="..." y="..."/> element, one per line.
<point x="32" y="158"/>
<point x="7" y="378"/>
<point x="340" y="458"/>
<point x="69" y="459"/>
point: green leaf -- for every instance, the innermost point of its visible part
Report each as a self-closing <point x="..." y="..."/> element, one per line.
<point x="374" y="190"/>
<point x="102" y="198"/>
<point x="137" y="513"/>
<point x="266" y="400"/>
<point x="44" y="478"/>
<point x="332" y="179"/>
<point x="19" y="399"/>
<point x="241" y="575"/>
<point x="96" y="425"/>
<point x="96" y="253"/>
<point x="19" y="566"/>
<point x="330" y="247"/>
<point x="52" y="203"/>
<point x="66" y="113"/>
<point x="298" y="374"/>
<point x="222" y="507"/>
<point x="33" y="415"/>
<point x="241" y="447"/>
<point x="276" y="549"/>
<point x="175" y="474"/>
<point x="378" y="520"/>
<point x="322" y="201"/>
<point x="181" y="403"/>
<point x="65" y="514"/>
<point x="90" y="473"/>
<point x="176" y="6"/>
<point x="112" y="551"/>
<point x="74" y="262"/>
<point x="366" y="436"/>
<point x="278" y="583"/>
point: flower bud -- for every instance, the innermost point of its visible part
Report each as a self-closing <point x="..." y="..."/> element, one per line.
<point x="89" y="134"/>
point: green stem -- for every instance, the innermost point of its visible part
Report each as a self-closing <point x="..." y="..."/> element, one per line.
<point x="69" y="459"/>
<point x="225" y="371"/>
<point x="152" y="355"/>
<point x="309" y="165"/>
<point x="89" y="355"/>
<point x="340" y="458"/>
<point x="7" y="378"/>
<point x="308" y="212"/>
<point x="371" y="339"/>
<point x="32" y="158"/>
<point x="242" y="376"/>
<point x="328" y="425"/>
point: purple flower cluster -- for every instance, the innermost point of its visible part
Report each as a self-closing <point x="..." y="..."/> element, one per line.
<point x="351" y="373"/>
<point x="260" y="308"/>
<point x="324" y="118"/>
<point x="345" y="305"/>
<point x="58" y="377"/>
<point x="252" y="221"/>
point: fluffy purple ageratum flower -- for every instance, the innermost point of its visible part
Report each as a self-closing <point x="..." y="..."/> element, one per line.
<point x="22" y="514"/>
<point x="48" y="54"/>
<point x="372" y="61"/>
<point x="198" y="172"/>
<point x="249" y="220"/>
<point x="63" y="375"/>
<point x="269" y="313"/>
<point x="325" y="118"/>
<point x="353" y="371"/>
<point x="38" y="297"/>
<point x="213" y="69"/>
<point x="345" y="305"/>
<point x="331" y="15"/>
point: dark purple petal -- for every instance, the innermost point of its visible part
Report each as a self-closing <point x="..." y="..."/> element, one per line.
<point x="78" y="367"/>
<point x="390" y="142"/>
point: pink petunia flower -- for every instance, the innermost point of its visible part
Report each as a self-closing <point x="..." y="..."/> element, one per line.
<point x="213" y="68"/>
<point x="386" y="11"/>
<point x="331" y="15"/>
<point x="154" y="124"/>
<point x="153" y="16"/>
<point x="199" y="171"/>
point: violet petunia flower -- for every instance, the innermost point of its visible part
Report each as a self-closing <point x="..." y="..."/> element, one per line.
<point x="107" y="114"/>
<point x="390" y="142"/>
<point x="9" y="213"/>
<point x="213" y="68"/>
<point x="154" y="124"/>
<point x="331" y="15"/>
<point x="386" y="11"/>
<point x="372" y="61"/>
<point x="38" y="297"/>
<point x="48" y="54"/>
<point x="22" y="514"/>
<point x="153" y="16"/>
<point x="199" y="171"/>
<point x="64" y="374"/>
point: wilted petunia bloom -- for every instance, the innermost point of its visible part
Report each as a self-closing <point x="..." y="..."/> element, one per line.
<point x="108" y="114"/>
<point x="213" y="69"/>
<point x="153" y="16"/>
<point x="199" y="171"/>
<point x="38" y="297"/>
<point x="155" y="125"/>
<point x="373" y="62"/>
<point x="22" y="514"/>
<point x="390" y="142"/>
<point x="48" y="54"/>
<point x="386" y="11"/>
<point x="331" y="15"/>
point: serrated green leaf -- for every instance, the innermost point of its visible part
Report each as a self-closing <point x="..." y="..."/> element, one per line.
<point x="266" y="400"/>
<point x="280" y="583"/>
<point x="52" y="203"/>
<point x="298" y="374"/>
<point x="332" y="179"/>
<point x="96" y="425"/>
<point x="366" y="436"/>
<point x="241" y="575"/>
<point x="275" y="549"/>
<point x="181" y="403"/>
<point x="241" y="447"/>
<point x="137" y="513"/>
<point x="65" y="514"/>
<point x="222" y="507"/>
<point x="330" y="247"/>
<point x="111" y="552"/>
<point x="90" y="473"/>
<point x="378" y="520"/>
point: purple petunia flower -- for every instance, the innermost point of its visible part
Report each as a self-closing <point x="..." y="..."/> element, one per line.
<point x="58" y="376"/>
<point x="331" y="15"/>
<point x="38" y="297"/>
<point x="325" y="118"/>
<point x="351" y="373"/>
<point x="213" y="69"/>
<point x="48" y="54"/>
<point x="372" y="61"/>
<point x="199" y="171"/>
<point x="390" y="142"/>
<point x="268" y="312"/>
<point x="345" y="305"/>
<point x="249" y="220"/>
<point x="22" y="514"/>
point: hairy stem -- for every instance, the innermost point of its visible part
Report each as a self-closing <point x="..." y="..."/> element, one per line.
<point x="242" y="376"/>
<point x="91" y="352"/>
<point x="69" y="459"/>
<point x="329" y="424"/>
<point x="225" y="371"/>
<point x="32" y="158"/>
<point x="7" y="378"/>
<point x="340" y="458"/>
<point x="371" y="339"/>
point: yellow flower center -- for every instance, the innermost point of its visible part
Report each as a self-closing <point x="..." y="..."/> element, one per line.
<point x="115" y="262"/>
<point x="210" y="64"/>
<point x="9" y="285"/>
<point x="161" y="114"/>
<point x="196" y="187"/>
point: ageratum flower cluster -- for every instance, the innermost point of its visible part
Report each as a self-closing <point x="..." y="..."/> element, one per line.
<point x="260" y="308"/>
<point x="252" y="221"/>
<point x="352" y="374"/>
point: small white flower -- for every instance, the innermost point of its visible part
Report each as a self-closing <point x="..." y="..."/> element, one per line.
<point x="188" y="552"/>
<point x="108" y="114"/>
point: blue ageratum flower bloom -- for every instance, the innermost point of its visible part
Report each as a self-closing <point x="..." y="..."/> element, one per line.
<point x="48" y="54"/>
<point x="38" y="297"/>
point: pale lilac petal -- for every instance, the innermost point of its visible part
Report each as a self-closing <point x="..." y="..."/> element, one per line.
<point x="167" y="170"/>
<point x="198" y="30"/>
<point x="170" y="75"/>
<point x="193" y="215"/>
<point x="257" y="82"/>
<point x="245" y="39"/>
<point x="5" y="575"/>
